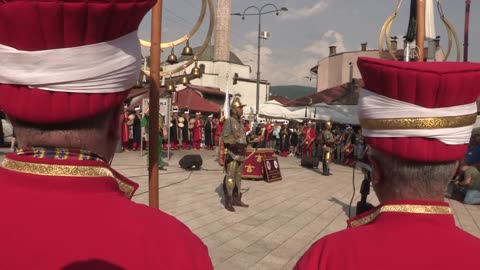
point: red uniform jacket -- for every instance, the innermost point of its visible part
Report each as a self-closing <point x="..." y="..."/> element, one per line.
<point x="76" y="213"/>
<point x="125" y="128"/>
<point x="397" y="235"/>
<point x="309" y="136"/>
<point x="197" y="130"/>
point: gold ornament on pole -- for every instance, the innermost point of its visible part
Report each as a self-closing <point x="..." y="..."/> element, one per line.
<point x="420" y="30"/>
<point x="206" y="42"/>
<point x="155" y="75"/>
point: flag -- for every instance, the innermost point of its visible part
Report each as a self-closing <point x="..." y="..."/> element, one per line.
<point x="226" y="105"/>
<point x="429" y="21"/>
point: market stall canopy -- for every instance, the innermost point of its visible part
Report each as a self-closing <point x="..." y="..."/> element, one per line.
<point x="344" y="114"/>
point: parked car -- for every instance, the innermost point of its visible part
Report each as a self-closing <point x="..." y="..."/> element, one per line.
<point x="7" y="131"/>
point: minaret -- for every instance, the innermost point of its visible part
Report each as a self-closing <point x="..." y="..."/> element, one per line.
<point x="222" y="31"/>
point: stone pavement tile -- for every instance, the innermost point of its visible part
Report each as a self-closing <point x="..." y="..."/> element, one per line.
<point x="245" y="259"/>
<point x="223" y="236"/>
<point x="221" y="254"/>
<point x="270" y="262"/>
<point x="466" y="221"/>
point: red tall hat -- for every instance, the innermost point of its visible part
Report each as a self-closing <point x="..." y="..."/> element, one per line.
<point x="419" y="111"/>
<point x="42" y="26"/>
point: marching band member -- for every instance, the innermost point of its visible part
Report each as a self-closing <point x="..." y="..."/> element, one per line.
<point x="417" y="130"/>
<point x="174" y="130"/>
<point x="186" y="131"/>
<point x="328" y="145"/>
<point x="309" y="136"/>
<point x="208" y="131"/>
<point x="197" y="131"/>
<point x="66" y="68"/>
<point x="235" y="141"/>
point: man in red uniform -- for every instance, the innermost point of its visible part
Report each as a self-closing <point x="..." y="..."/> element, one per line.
<point x="65" y="70"/>
<point x="309" y="136"/>
<point x="417" y="118"/>
<point x="197" y="131"/>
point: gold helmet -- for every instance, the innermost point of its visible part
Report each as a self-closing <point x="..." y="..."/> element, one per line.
<point x="328" y="125"/>
<point x="236" y="103"/>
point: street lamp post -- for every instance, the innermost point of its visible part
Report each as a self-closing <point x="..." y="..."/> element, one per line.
<point x="259" y="13"/>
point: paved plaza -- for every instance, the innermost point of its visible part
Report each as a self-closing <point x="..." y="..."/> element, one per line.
<point x="284" y="217"/>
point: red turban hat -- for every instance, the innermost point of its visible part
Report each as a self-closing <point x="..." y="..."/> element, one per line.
<point x="67" y="60"/>
<point x="419" y="111"/>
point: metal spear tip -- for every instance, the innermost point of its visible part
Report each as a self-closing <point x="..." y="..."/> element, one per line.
<point x="284" y="9"/>
<point x="236" y="14"/>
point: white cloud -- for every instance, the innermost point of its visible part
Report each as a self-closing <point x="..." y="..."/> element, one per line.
<point x="276" y="69"/>
<point x="329" y="38"/>
<point x="307" y="11"/>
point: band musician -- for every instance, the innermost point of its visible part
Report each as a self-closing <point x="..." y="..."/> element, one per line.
<point x="348" y="148"/>
<point x="186" y="130"/>
<point x="197" y="131"/>
<point x="174" y="130"/>
<point x="235" y="141"/>
<point x="309" y="136"/>
<point x="328" y="146"/>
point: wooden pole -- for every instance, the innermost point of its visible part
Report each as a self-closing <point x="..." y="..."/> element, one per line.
<point x="420" y="29"/>
<point x="155" y="37"/>
<point x="465" y="37"/>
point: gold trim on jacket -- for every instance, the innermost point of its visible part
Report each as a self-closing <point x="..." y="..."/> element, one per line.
<point x="400" y="208"/>
<point x="66" y="171"/>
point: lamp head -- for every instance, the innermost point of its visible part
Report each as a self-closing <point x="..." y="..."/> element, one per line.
<point x="187" y="51"/>
<point x="172" y="58"/>
<point x="196" y="72"/>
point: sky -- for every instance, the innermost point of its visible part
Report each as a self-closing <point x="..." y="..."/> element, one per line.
<point x="300" y="37"/>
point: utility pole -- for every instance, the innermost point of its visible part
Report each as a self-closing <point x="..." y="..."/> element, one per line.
<point x="465" y="37"/>
<point x="154" y="106"/>
<point x="420" y="29"/>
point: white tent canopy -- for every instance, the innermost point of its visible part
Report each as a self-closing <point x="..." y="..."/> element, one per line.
<point x="345" y="114"/>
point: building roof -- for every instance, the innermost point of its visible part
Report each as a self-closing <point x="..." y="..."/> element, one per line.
<point x="338" y="95"/>
<point x="191" y="97"/>
<point x="208" y="56"/>
<point x="194" y="100"/>
<point x="207" y="90"/>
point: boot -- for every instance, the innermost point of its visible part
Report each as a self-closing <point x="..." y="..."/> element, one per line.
<point x="324" y="169"/>
<point x="237" y="200"/>
<point x="228" y="203"/>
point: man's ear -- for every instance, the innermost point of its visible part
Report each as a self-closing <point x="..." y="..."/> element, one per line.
<point x="376" y="174"/>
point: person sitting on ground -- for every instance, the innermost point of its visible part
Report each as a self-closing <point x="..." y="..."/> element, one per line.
<point x="468" y="183"/>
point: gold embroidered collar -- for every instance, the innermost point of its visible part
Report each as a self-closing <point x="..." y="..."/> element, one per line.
<point x="399" y="208"/>
<point x="67" y="171"/>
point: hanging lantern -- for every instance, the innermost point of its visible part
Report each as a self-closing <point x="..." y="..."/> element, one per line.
<point x="187" y="51"/>
<point x="172" y="58"/>
<point x="171" y="85"/>
<point x="196" y="71"/>
<point x="185" y="79"/>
